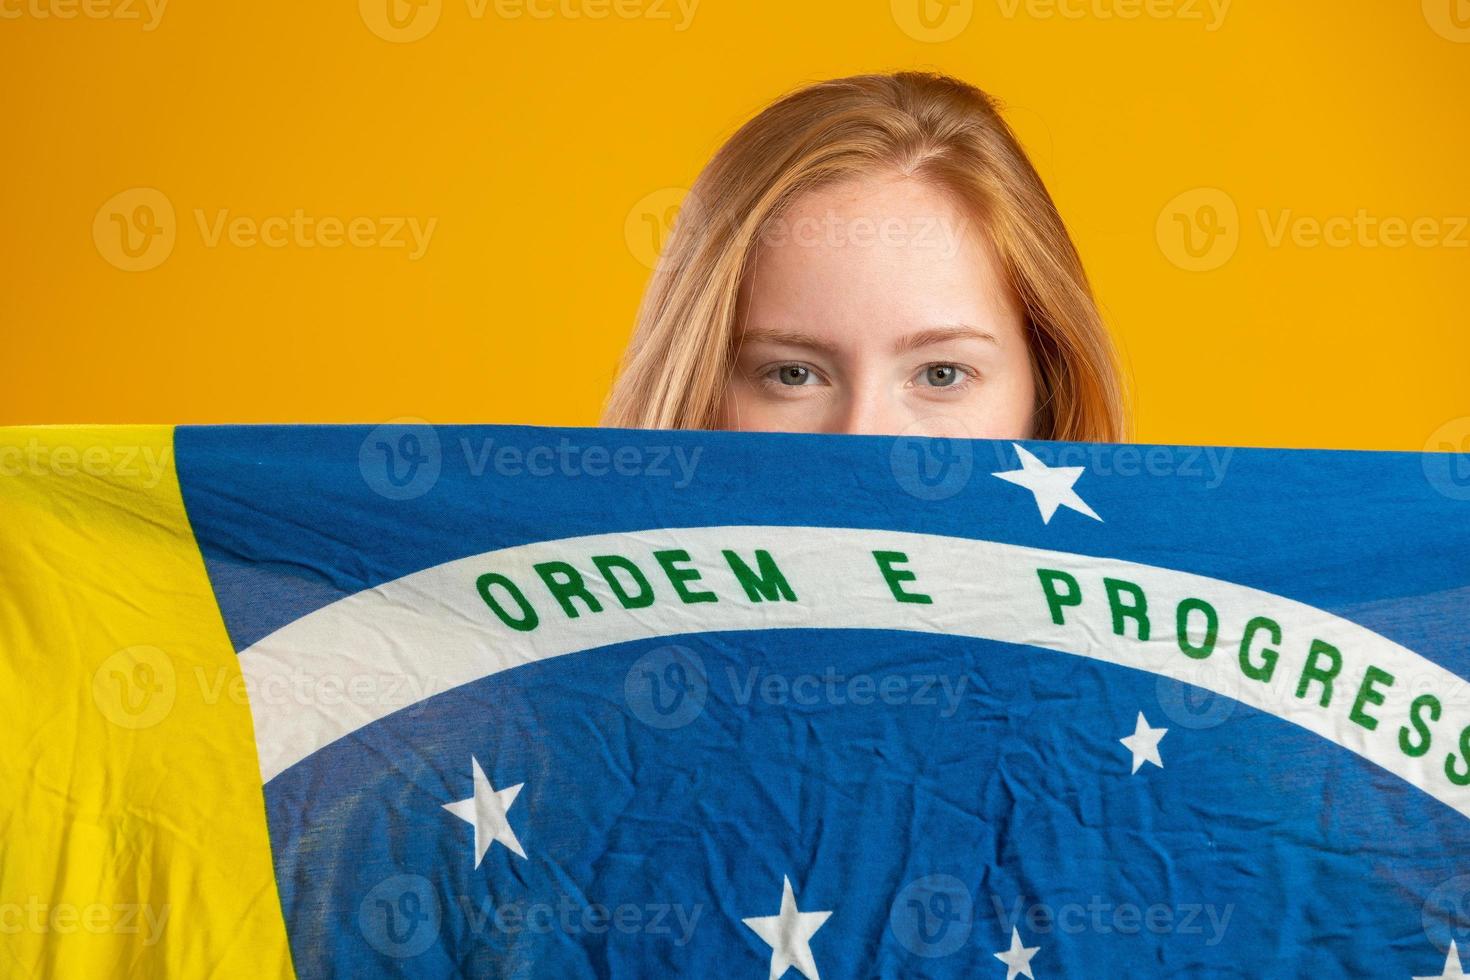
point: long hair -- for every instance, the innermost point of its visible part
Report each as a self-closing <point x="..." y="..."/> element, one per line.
<point x="926" y="126"/>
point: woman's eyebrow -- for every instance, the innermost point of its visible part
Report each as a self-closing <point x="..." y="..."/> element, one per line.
<point x="909" y="342"/>
<point x="787" y="338"/>
<point x="939" y="335"/>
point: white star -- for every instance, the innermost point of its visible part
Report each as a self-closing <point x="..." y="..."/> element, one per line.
<point x="789" y="935"/>
<point x="1452" y="969"/>
<point x="1052" y="485"/>
<point x="1144" y="743"/>
<point x="485" y="811"/>
<point x="1018" y="958"/>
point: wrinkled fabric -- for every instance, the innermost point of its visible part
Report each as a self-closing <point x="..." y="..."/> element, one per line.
<point x="515" y="701"/>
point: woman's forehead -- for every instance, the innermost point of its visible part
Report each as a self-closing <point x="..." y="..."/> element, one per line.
<point x="888" y="255"/>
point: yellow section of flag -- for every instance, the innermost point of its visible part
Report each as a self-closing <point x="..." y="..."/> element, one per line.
<point x="134" y="837"/>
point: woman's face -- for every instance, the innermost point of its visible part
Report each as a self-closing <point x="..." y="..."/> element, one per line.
<point x="875" y="306"/>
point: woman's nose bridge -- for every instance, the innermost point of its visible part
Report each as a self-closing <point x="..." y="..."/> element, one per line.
<point x="869" y="408"/>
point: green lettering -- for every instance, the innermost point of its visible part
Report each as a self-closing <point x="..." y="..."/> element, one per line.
<point x="565" y="584"/>
<point x="678" y="576"/>
<point x="769" y="584"/>
<point x="607" y="563"/>
<point x="1136" y="610"/>
<point x="1268" y="654"/>
<point x="1367" y="694"/>
<point x="895" y="577"/>
<point x="1212" y="628"/>
<point x="1311" y="672"/>
<point x="1453" y="771"/>
<point x="526" y="621"/>
<point x="1055" y="600"/>
<point x="1415" y="749"/>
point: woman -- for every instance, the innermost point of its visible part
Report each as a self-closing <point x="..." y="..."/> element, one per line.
<point x="875" y="255"/>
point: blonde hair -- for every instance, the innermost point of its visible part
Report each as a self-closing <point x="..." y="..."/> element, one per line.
<point x="924" y="125"/>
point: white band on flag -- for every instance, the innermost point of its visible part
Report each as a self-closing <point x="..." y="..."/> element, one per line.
<point x="353" y="662"/>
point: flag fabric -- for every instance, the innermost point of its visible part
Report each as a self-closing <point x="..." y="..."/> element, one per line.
<point x="440" y="701"/>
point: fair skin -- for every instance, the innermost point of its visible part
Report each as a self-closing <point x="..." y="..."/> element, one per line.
<point x="877" y="306"/>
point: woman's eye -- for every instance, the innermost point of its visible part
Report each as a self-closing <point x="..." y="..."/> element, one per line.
<point x="941" y="375"/>
<point x="795" y="374"/>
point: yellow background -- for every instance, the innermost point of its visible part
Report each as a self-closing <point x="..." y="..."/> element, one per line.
<point x="537" y="134"/>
